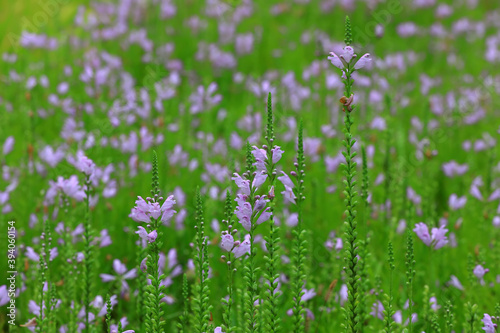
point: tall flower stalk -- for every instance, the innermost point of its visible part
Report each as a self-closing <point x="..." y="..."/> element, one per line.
<point x="43" y="280"/>
<point x="271" y="158"/>
<point x="227" y="243"/>
<point x="389" y="312"/>
<point x="183" y="319"/>
<point x="299" y="244"/>
<point x="348" y="64"/>
<point x="153" y="214"/>
<point x="87" y="166"/>
<point x="88" y="254"/>
<point x="251" y="211"/>
<point x="250" y="271"/>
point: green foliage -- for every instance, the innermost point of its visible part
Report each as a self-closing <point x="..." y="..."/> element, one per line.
<point x="410" y="274"/>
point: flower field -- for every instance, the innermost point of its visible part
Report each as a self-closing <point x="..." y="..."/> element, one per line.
<point x="250" y="166"/>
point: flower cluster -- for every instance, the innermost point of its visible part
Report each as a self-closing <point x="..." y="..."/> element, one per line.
<point x="251" y="213"/>
<point x="437" y="239"/>
<point x="260" y="155"/>
<point x="148" y="209"/>
<point x="347" y="59"/>
<point x="238" y="248"/>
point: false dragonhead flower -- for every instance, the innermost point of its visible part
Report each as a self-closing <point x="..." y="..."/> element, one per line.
<point x="489" y="326"/>
<point x="480" y="272"/>
<point x="227" y="241"/>
<point x="261" y="157"/>
<point x="150" y="237"/>
<point x="246" y="214"/>
<point x="69" y="187"/>
<point x="121" y="275"/>
<point x="437" y="239"/>
<point x="347" y="58"/>
<point x="145" y="210"/>
<point x="82" y="163"/>
<point x="288" y="193"/>
<point x="243" y="247"/>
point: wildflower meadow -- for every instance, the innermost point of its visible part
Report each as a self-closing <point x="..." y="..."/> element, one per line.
<point x="250" y="166"/>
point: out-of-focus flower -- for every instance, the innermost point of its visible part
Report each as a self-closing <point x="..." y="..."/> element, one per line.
<point x="455" y="202"/>
<point x="455" y="282"/>
<point x="436" y="240"/>
<point x="4" y="295"/>
<point x="378" y="310"/>
<point x="121" y="275"/>
<point x="70" y="187"/>
<point x="8" y="145"/>
<point x="479" y="272"/>
<point x="145" y="210"/>
<point x="489" y="326"/>
<point x="452" y="169"/>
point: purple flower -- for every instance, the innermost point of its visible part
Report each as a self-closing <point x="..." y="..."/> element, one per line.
<point x="413" y="196"/>
<point x="285" y="180"/>
<point x="455" y="282"/>
<point x="260" y="203"/>
<point x="243" y="211"/>
<point x="378" y="310"/>
<point x="203" y="98"/>
<point x="259" y="179"/>
<point x="143" y="266"/>
<point x="31" y="254"/>
<point x="489" y="326"/>
<point x="243" y="247"/>
<point x="243" y="184"/>
<point x="69" y="187"/>
<point x="434" y="304"/>
<point x="51" y="157"/>
<point x="144" y="210"/>
<point x="452" y="169"/>
<point x="474" y="188"/>
<point x="288" y="194"/>
<point x="479" y="272"/>
<point x="139" y="212"/>
<point x="335" y="60"/>
<point x="347" y="54"/>
<point x="98" y="303"/>
<point x="277" y="153"/>
<point x="227" y="241"/>
<point x="495" y="195"/>
<point x="343" y="294"/>
<point x="437" y="239"/>
<point x="4" y="295"/>
<point x="121" y="275"/>
<point x="150" y="237"/>
<point x="347" y="57"/>
<point x="456" y="202"/>
<point x="8" y="145"/>
<point x="307" y="294"/>
<point x="167" y="210"/>
<point x="264" y="216"/>
<point x="363" y="61"/>
<point x="82" y="163"/>
<point x="292" y="220"/>
<point x="260" y="158"/>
